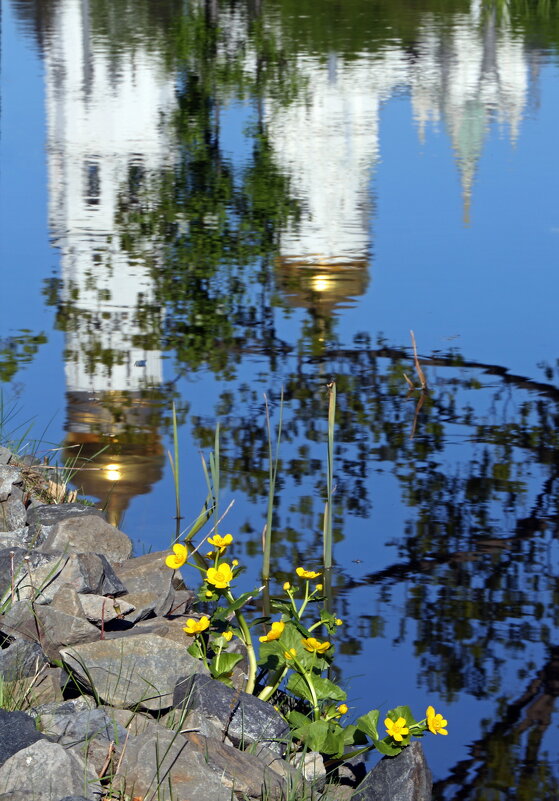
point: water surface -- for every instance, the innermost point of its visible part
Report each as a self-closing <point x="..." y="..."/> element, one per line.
<point x="205" y="203"/>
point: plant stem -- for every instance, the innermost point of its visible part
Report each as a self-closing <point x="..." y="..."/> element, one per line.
<point x="251" y="680"/>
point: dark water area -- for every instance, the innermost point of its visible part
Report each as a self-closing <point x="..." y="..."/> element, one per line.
<point x="212" y="202"/>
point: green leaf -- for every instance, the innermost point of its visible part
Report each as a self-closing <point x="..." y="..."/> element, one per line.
<point x="368" y="723"/>
<point x="298" y="686"/>
<point x="241" y="600"/>
<point x="403" y="712"/>
<point x="388" y="746"/>
<point x="225" y="664"/>
<point x="297" y="719"/>
<point x="326" y="690"/>
<point x="325" y="736"/>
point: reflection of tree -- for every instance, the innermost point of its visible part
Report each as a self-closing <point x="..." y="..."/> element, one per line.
<point x="507" y="762"/>
<point x="17" y="350"/>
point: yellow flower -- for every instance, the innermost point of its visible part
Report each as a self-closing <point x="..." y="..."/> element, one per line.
<point x="194" y="626"/>
<point x="306" y="574"/>
<point x="274" y="633"/>
<point x="235" y="562"/>
<point x="396" y="729"/>
<point x="287" y="586"/>
<point x="177" y="558"/>
<point x="220" y="576"/>
<point x="342" y="708"/>
<point x="220" y="542"/>
<point x="315" y="646"/>
<point x="436" y="723"/>
<point x="209" y="593"/>
<point x="339" y="622"/>
<point x="319" y="587"/>
<point x="228" y="635"/>
<point x="291" y="654"/>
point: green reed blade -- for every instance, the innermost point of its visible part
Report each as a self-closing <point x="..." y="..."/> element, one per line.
<point x="272" y="475"/>
<point x="327" y="528"/>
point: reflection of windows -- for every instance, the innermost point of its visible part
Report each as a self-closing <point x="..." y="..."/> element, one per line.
<point x="92" y="183"/>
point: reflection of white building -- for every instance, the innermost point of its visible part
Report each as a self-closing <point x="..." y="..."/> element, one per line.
<point x="470" y="76"/>
<point x="327" y="143"/>
<point x="105" y="118"/>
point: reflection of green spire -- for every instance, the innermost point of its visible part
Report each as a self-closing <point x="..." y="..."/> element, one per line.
<point x="468" y="138"/>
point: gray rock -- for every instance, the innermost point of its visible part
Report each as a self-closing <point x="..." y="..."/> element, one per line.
<point x="69" y="725"/>
<point x="132" y="671"/>
<point x="243" y="718"/>
<point x="13" y="514"/>
<point x="9" y="475"/>
<point x="98" y="608"/>
<point x="21" y="660"/>
<point x="88" y="534"/>
<point x="17" y="731"/>
<point x="11" y="539"/>
<point x="405" y="777"/>
<point x="159" y="765"/>
<point x="5" y="455"/>
<point x="42" y="688"/>
<point x="43" y="518"/>
<point x="149" y="583"/>
<point x="67" y="600"/>
<point x="50" y="627"/>
<point x="85" y="572"/>
<point x="46" y="772"/>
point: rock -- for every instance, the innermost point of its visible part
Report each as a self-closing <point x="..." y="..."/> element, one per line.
<point x="43" y="518"/>
<point x="17" y="731"/>
<point x="85" y="572"/>
<point x="149" y="583"/>
<point x="68" y="724"/>
<point x="21" y="660"/>
<point x="98" y="608"/>
<point x="242" y="772"/>
<point x="13" y="514"/>
<point x="170" y="628"/>
<point x="243" y="718"/>
<point x="43" y="688"/>
<point x="160" y="766"/>
<point x="8" y="475"/>
<point x="405" y="777"/>
<point x="67" y="600"/>
<point x="311" y="765"/>
<point x="11" y="539"/>
<point x="131" y="671"/>
<point x="49" y="627"/>
<point x="40" y="575"/>
<point x="5" y="455"/>
<point x="87" y="534"/>
<point x="46" y="772"/>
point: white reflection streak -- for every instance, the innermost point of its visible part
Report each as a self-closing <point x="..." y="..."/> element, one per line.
<point x="103" y="116"/>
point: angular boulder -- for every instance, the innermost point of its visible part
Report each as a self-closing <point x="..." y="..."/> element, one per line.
<point x="140" y="671"/>
<point x="87" y="533"/>
<point x="405" y="777"/>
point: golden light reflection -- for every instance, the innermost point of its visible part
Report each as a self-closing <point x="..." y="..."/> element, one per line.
<point x="113" y="472"/>
<point x="321" y="283"/>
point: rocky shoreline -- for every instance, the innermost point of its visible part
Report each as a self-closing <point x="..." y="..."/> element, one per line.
<point x="94" y="653"/>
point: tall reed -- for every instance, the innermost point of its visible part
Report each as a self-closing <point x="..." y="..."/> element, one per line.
<point x="272" y="474"/>
<point x="327" y="527"/>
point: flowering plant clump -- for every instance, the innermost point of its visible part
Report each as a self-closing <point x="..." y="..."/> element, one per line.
<point x="291" y="659"/>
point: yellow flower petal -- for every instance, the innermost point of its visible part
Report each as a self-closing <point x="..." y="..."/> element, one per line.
<point x="194" y="626"/>
<point x="177" y="558"/>
<point x="274" y="633"/>
<point x="228" y="635"/>
<point x="435" y="722"/>
<point x="342" y="709"/>
<point x="220" y="576"/>
<point x="306" y="574"/>
<point x="396" y="729"/>
<point x="313" y="645"/>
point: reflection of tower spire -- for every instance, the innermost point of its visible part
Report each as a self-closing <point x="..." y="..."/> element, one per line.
<point x="105" y="136"/>
<point x="471" y="75"/>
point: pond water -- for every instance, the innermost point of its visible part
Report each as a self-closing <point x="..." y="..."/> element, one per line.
<point x="207" y="202"/>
